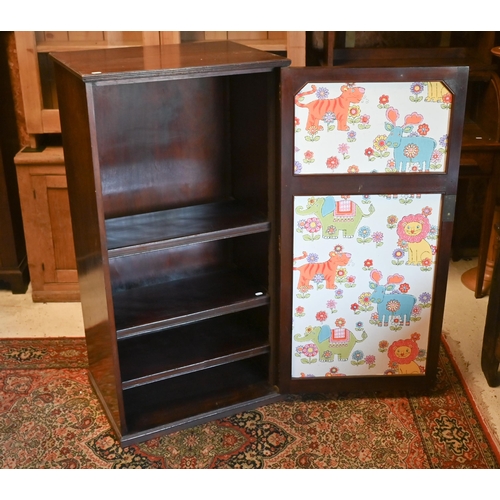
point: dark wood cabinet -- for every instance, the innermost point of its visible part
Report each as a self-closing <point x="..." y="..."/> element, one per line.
<point x="171" y="175"/>
<point x="181" y="184"/>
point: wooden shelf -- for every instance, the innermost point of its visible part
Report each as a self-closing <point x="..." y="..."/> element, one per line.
<point x="209" y="343"/>
<point x="144" y="309"/>
<point x="194" y="224"/>
<point x="210" y="391"/>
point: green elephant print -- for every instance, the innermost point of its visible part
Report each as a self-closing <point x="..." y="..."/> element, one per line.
<point x="331" y="342"/>
<point x="336" y="216"/>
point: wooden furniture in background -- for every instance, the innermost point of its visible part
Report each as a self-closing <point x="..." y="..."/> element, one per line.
<point x="173" y="210"/>
<point x="13" y="261"/>
<point x="47" y="225"/>
<point x="490" y="352"/>
<point x="13" y="258"/>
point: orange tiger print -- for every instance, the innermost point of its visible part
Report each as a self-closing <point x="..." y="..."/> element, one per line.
<point x="328" y="269"/>
<point x="339" y="105"/>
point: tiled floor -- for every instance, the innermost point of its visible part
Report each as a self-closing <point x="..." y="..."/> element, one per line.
<point x="463" y="330"/>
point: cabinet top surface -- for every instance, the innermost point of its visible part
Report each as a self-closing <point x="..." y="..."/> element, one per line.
<point x="194" y="58"/>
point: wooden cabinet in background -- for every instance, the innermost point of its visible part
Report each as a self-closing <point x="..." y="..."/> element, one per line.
<point x="47" y="225"/>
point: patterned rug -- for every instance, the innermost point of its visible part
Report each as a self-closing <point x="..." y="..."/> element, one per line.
<point x="50" y="418"/>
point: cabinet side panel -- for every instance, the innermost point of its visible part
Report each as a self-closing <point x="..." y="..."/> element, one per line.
<point x="89" y="238"/>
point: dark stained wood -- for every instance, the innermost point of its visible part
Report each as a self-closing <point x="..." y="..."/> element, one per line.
<point x="13" y="256"/>
<point x="143" y="309"/>
<point x="194" y="346"/>
<point x="209" y="390"/>
<point x="166" y="228"/>
<point x="168" y="61"/>
<point x="172" y="160"/>
<point x="85" y="201"/>
<point x="490" y="351"/>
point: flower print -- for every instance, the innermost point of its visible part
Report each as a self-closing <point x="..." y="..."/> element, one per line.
<point x="339" y="293"/>
<point x="319" y="278"/>
<point x="357" y="355"/>
<point x="353" y="169"/>
<point x="297" y="121"/>
<point x="312" y="225"/>
<point x="393" y="305"/>
<point x="299" y="310"/>
<point x="426" y="262"/>
<point x="297" y="167"/>
<point x="301" y="224"/>
<point x="417" y="88"/>
<point x="312" y="258"/>
<point x="370" y="359"/>
<point x="391" y="164"/>
<point x="351" y="135"/>
<point x="436" y="156"/>
<point x="341" y="273"/>
<point x="331" y="230"/>
<point x="331" y="304"/>
<point x="338" y="248"/>
<point x="423" y="129"/>
<point x="411" y="150"/>
<point x="364" y="232"/>
<point x="312" y="133"/>
<point x="340" y="323"/>
<point x="343" y="148"/>
<point x="327" y="354"/>
<point x="368" y="263"/>
<point x="354" y="307"/>
<point x="443" y="141"/>
<point x="351" y="279"/>
<point x="447" y="98"/>
<point x="334" y="370"/>
<point x="299" y="349"/>
<point x="369" y="152"/>
<point x="332" y="162"/>
<point x="383" y="344"/>
<point x="427" y="211"/>
<point x="377" y="237"/>
<point x="424" y="297"/>
<point x="379" y="143"/>
<point x="359" y="324"/>
<point x="404" y="288"/>
<point x="329" y="117"/>
<point x="321" y="316"/>
<point x="322" y="93"/>
<point x="310" y="350"/>
<point x="383" y="99"/>
<point x="354" y="111"/>
<point x="415" y="336"/>
<point x="364" y="299"/>
<point x="416" y="310"/>
<point x="308" y="156"/>
<point x="365" y="119"/>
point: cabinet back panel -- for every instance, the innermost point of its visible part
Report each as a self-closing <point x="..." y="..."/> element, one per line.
<point x="162" y="144"/>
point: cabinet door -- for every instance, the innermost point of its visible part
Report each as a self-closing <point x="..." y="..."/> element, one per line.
<point x="49" y="235"/>
<point x="370" y="162"/>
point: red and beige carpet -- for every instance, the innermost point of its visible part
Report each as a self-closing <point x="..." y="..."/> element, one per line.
<point x="50" y="418"/>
